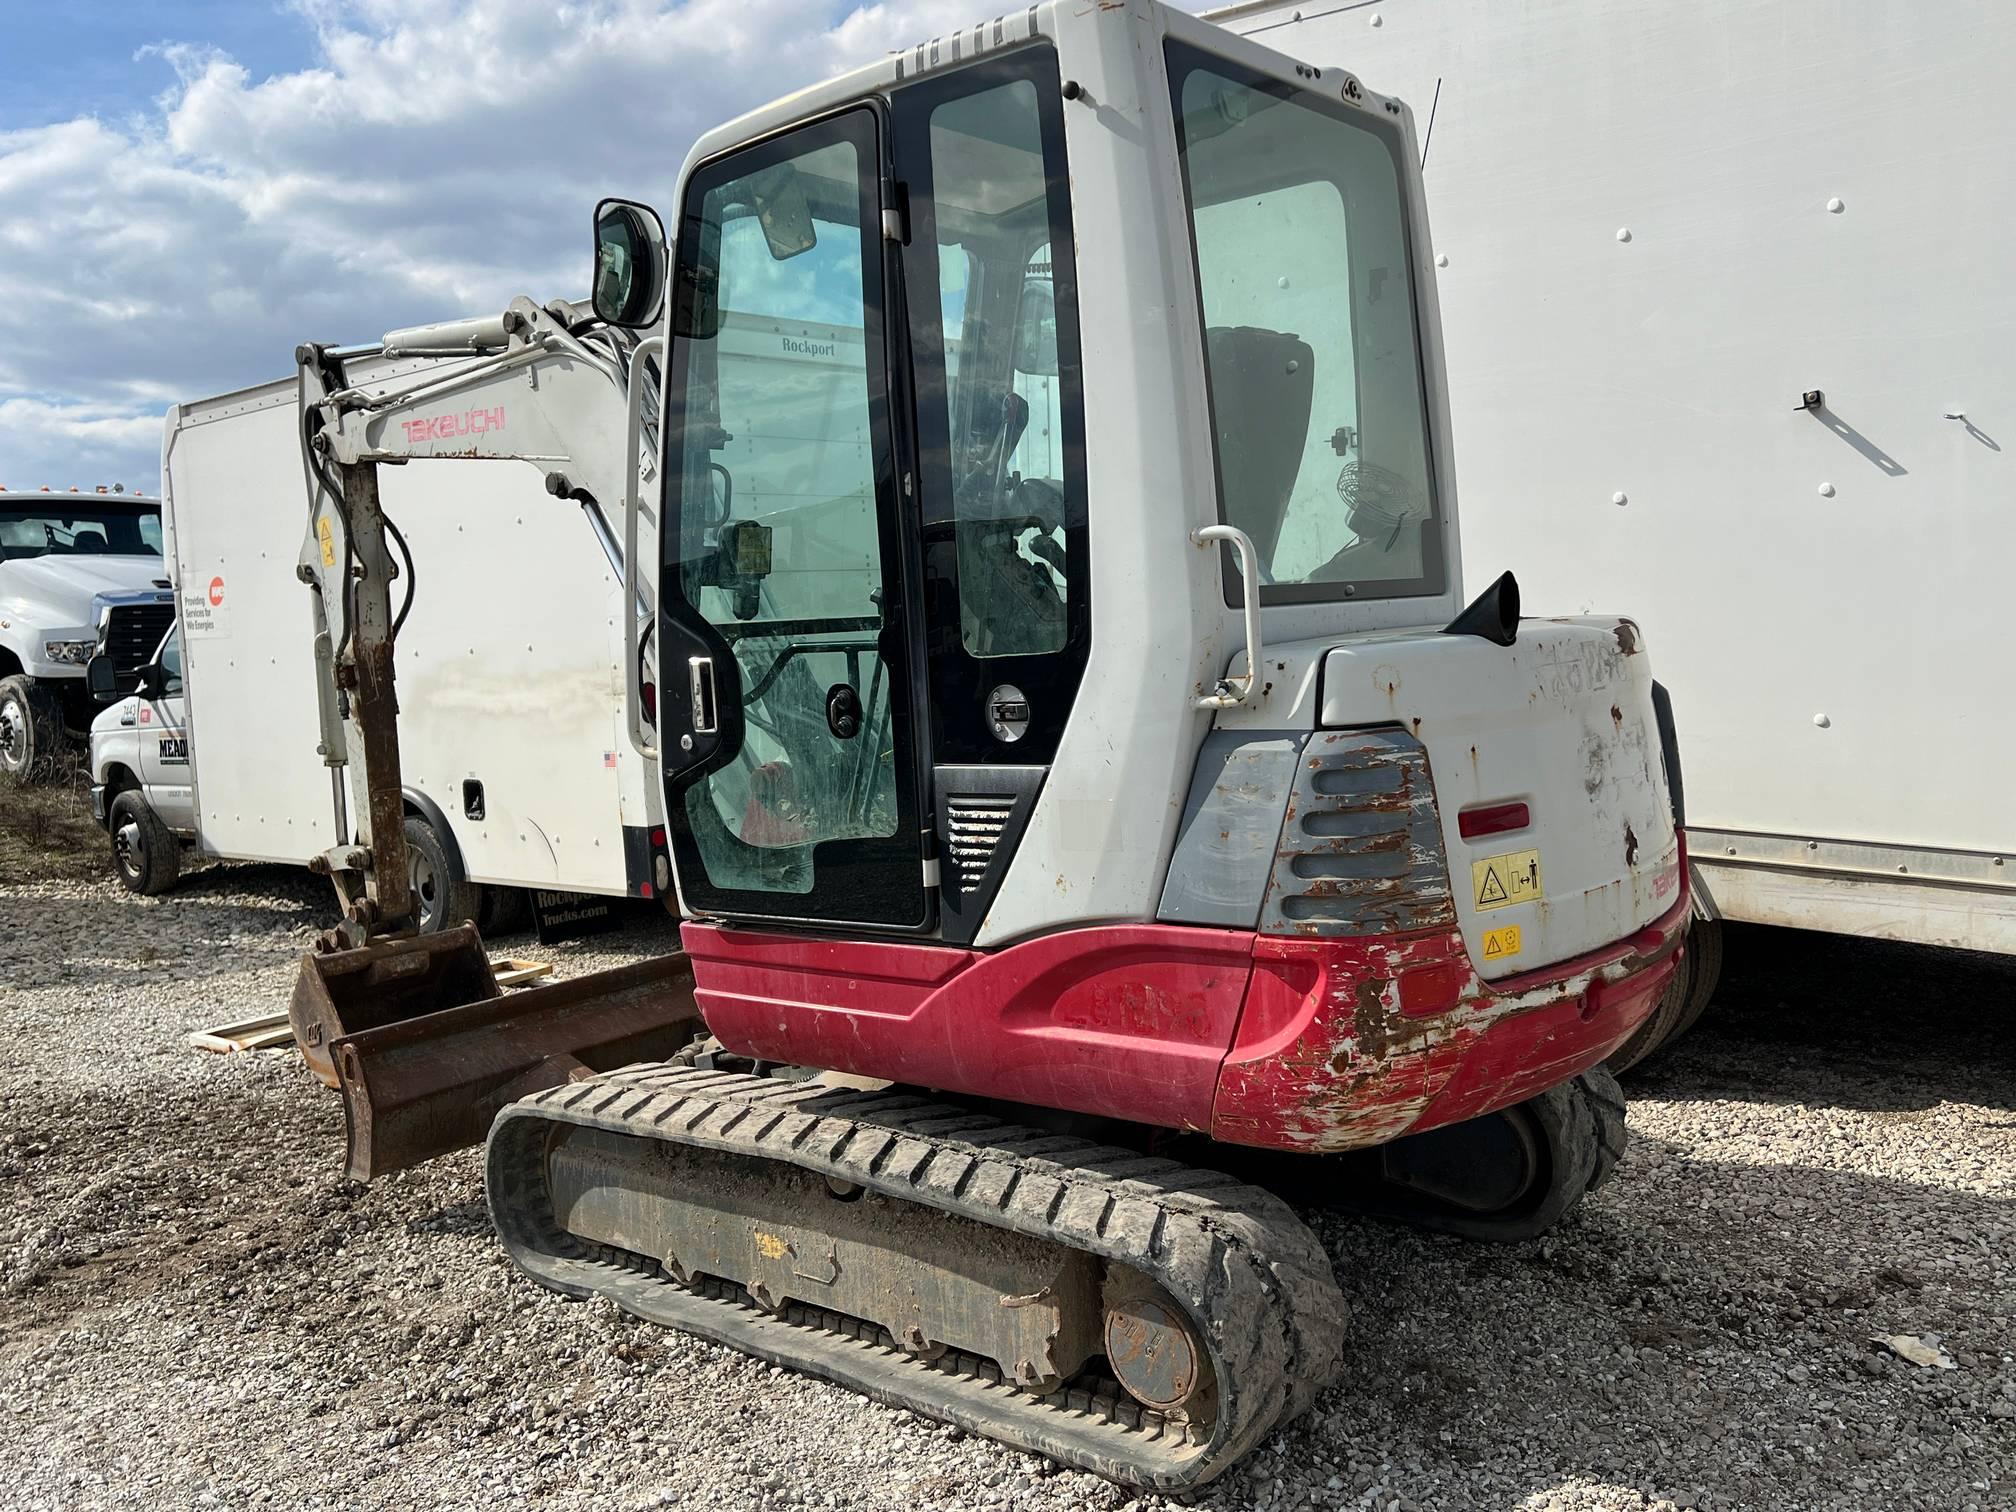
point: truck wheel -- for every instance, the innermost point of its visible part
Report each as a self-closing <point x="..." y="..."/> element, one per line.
<point x="1683" y="1002"/>
<point x="441" y="899"/>
<point x="1657" y="1028"/>
<point x="31" y="729"/>
<point x="1704" y="972"/>
<point x="145" y="851"/>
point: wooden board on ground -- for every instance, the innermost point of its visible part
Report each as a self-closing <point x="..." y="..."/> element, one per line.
<point x="512" y="972"/>
<point x="268" y="1033"/>
<point x="273" y="1031"/>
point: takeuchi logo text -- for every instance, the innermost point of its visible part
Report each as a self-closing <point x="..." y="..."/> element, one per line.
<point x="475" y="422"/>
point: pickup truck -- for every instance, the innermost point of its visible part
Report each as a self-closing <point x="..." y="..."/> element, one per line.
<point x="140" y="784"/>
<point x="79" y="573"/>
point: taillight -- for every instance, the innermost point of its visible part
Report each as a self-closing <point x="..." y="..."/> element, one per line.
<point x="1492" y="819"/>
<point x="649" y="697"/>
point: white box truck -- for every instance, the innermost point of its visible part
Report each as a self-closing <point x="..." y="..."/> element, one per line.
<point x="1731" y="333"/>
<point x="517" y="770"/>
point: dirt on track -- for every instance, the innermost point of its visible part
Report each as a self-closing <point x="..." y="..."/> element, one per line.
<point x="195" y="1308"/>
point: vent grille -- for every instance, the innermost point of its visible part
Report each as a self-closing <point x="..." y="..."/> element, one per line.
<point x="974" y="826"/>
<point x="1362" y="852"/>
<point x="132" y="631"/>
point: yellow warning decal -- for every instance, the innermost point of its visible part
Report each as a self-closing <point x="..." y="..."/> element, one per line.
<point x="772" y="1247"/>
<point x="1500" y="943"/>
<point x="326" y="534"/>
<point x="1501" y="881"/>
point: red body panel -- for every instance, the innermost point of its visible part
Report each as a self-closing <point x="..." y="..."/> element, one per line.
<point x="1130" y="1021"/>
<point x="1300" y="1044"/>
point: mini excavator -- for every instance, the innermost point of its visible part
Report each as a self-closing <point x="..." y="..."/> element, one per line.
<point x="1095" y="817"/>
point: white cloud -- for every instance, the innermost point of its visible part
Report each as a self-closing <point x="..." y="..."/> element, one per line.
<point x="439" y="157"/>
<point x="94" y="447"/>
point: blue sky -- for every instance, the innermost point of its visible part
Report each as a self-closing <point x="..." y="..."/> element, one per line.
<point x="191" y="188"/>
<point x="88" y="54"/>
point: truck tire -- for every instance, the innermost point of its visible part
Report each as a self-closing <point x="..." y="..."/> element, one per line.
<point x="1704" y="972"/>
<point x="441" y="898"/>
<point x="145" y="852"/>
<point x="1683" y="1002"/>
<point x="31" y="730"/>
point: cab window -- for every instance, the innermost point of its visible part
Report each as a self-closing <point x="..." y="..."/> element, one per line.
<point x="1311" y="347"/>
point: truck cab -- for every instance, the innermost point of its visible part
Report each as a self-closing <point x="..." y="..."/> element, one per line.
<point x="141" y="790"/>
<point x="75" y="568"/>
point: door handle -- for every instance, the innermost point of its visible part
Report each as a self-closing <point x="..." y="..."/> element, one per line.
<point x="700" y="685"/>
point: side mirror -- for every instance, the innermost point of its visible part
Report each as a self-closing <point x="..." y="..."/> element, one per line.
<point x="629" y="282"/>
<point x="102" y="678"/>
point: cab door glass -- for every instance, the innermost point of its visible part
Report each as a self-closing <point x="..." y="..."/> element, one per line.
<point x="992" y="226"/>
<point x="780" y="541"/>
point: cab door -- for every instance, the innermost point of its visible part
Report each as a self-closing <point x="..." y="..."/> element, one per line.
<point x="791" y="752"/>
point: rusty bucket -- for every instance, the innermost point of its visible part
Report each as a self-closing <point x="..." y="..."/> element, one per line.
<point x="422" y="1087"/>
<point x="340" y="992"/>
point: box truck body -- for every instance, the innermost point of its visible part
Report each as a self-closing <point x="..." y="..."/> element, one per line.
<point x="1729" y="327"/>
<point x="509" y="667"/>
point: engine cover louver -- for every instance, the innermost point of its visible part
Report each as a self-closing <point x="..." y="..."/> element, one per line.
<point x="974" y="826"/>
<point x="1361" y="849"/>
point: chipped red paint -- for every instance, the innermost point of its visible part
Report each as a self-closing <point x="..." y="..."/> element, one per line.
<point x="1352" y="1042"/>
<point x="1287" y="1043"/>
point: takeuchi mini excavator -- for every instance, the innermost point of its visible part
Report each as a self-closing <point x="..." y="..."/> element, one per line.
<point x="1093" y="812"/>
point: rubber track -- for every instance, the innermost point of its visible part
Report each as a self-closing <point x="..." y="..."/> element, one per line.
<point x="1250" y="1272"/>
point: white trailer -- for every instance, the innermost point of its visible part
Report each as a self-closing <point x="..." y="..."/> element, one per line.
<point x="510" y="674"/>
<point x="1731" y="337"/>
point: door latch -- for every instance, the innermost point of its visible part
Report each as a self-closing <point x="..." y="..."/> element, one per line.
<point x="700" y="685"/>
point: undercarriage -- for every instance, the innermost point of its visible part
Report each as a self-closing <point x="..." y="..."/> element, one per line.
<point x="1142" y="1317"/>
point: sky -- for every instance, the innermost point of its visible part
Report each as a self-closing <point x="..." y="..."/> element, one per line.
<point x="191" y="188"/>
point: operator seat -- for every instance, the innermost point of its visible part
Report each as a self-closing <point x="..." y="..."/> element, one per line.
<point x="1262" y="386"/>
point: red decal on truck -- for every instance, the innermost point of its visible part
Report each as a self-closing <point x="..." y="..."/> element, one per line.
<point x="216" y="593"/>
<point x="475" y="422"/>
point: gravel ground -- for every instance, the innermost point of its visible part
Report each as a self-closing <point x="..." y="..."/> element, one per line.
<point x="196" y="1310"/>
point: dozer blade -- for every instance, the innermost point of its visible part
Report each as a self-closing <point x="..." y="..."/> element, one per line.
<point x="422" y="1087"/>
<point x="340" y="992"/>
<point x="1140" y="1318"/>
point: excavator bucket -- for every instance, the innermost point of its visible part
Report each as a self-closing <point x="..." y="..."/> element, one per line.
<point x="415" y="1088"/>
<point x="340" y="992"/>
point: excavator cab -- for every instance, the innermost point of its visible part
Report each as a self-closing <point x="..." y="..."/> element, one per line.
<point x="1083" y="781"/>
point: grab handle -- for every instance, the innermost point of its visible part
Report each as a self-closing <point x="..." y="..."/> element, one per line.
<point x="1233" y="691"/>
